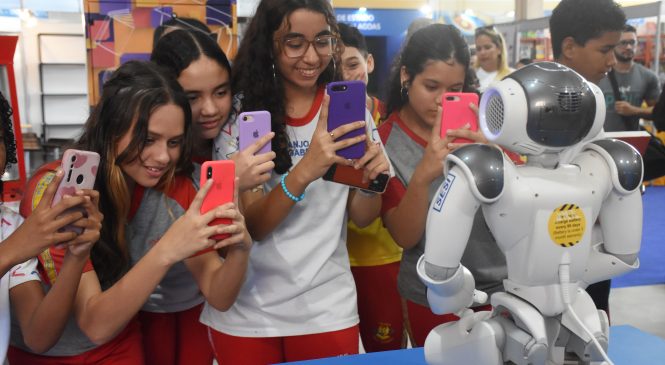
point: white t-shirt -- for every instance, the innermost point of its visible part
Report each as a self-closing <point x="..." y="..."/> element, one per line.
<point x="19" y="274"/>
<point x="298" y="280"/>
<point x="485" y="78"/>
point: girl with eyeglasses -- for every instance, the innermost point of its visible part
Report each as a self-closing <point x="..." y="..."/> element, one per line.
<point x="491" y="57"/>
<point x="299" y="299"/>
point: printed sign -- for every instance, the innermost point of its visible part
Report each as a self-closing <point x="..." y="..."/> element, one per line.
<point x="566" y="225"/>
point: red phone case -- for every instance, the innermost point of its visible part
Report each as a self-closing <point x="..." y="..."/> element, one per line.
<point x="80" y="171"/>
<point x="347" y="175"/>
<point x="223" y="175"/>
<point x="252" y="126"/>
<point x="457" y="113"/>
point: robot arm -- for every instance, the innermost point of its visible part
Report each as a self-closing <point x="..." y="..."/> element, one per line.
<point x="620" y="216"/>
<point x="476" y="177"/>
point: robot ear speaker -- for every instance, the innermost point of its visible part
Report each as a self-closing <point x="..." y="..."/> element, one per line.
<point x="494" y="113"/>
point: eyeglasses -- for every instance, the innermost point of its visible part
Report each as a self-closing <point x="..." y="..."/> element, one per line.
<point x="295" y="47"/>
<point x="627" y="42"/>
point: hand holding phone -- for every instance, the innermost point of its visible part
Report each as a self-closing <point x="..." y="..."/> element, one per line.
<point x="347" y="105"/>
<point x="252" y="126"/>
<point x="80" y="171"/>
<point x="223" y="175"/>
<point x="350" y="176"/>
<point x="457" y="113"/>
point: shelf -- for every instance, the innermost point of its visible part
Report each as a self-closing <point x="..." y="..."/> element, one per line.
<point x="65" y="94"/>
<point x="64" y="85"/>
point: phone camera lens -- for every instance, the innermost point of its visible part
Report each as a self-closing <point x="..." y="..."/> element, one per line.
<point x="73" y="158"/>
<point x="79" y="179"/>
<point x="209" y="172"/>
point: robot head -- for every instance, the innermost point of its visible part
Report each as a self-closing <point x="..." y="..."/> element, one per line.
<point x="544" y="107"/>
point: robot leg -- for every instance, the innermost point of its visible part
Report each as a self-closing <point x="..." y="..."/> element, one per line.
<point x="526" y="331"/>
<point x="597" y="323"/>
<point x="471" y="340"/>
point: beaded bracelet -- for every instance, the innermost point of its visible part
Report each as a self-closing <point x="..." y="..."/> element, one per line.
<point x="288" y="193"/>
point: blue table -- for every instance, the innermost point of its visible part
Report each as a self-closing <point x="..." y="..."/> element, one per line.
<point x="628" y="346"/>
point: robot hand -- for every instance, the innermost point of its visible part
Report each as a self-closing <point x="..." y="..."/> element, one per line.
<point x="453" y="294"/>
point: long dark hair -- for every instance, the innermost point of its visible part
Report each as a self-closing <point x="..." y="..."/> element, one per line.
<point x="7" y="136"/>
<point x="256" y="76"/>
<point x="129" y="97"/>
<point x="191" y="24"/>
<point x="179" y="48"/>
<point x="439" y="42"/>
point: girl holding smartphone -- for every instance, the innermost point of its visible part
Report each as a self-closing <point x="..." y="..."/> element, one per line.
<point x="154" y="242"/>
<point x="434" y="61"/>
<point x="42" y="317"/>
<point x="204" y="72"/>
<point x="298" y="220"/>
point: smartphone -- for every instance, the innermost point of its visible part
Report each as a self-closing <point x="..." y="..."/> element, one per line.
<point x="347" y="175"/>
<point x="457" y="113"/>
<point x="347" y="105"/>
<point x="223" y="174"/>
<point x="252" y="126"/>
<point x="80" y="171"/>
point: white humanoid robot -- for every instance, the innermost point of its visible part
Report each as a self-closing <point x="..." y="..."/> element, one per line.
<point x="542" y="215"/>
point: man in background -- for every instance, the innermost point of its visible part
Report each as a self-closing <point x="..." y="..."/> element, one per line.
<point x="635" y="84"/>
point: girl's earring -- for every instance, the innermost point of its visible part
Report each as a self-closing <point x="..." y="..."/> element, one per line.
<point x="274" y="74"/>
<point x="404" y="91"/>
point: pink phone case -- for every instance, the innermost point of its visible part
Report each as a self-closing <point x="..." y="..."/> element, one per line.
<point x="347" y="105"/>
<point x="80" y="168"/>
<point x="252" y="126"/>
<point x="223" y="174"/>
<point x="457" y="113"/>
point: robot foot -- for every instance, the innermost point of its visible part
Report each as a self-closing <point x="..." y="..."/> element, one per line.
<point x="586" y="350"/>
<point x="461" y="342"/>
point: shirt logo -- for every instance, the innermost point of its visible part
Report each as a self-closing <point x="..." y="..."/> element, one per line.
<point x="298" y="148"/>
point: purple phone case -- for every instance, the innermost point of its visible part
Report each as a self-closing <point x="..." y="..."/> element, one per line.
<point x="252" y="126"/>
<point x="347" y="104"/>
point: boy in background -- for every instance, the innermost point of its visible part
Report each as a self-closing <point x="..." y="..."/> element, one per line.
<point x="374" y="256"/>
<point x="584" y="35"/>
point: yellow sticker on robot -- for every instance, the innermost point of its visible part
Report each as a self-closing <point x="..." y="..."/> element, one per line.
<point x="566" y="225"/>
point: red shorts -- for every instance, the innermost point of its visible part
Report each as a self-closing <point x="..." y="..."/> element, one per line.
<point x="231" y="350"/>
<point x="175" y="338"/>
<point x="379" y="307"/>
<point x="421" y="321"/>
<point x="124" y="349"/>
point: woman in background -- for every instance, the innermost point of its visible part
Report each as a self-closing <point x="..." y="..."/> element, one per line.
<point x="491" y="57"/>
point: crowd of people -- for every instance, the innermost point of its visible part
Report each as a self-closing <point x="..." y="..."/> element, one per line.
<point x="307" y="266"/>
